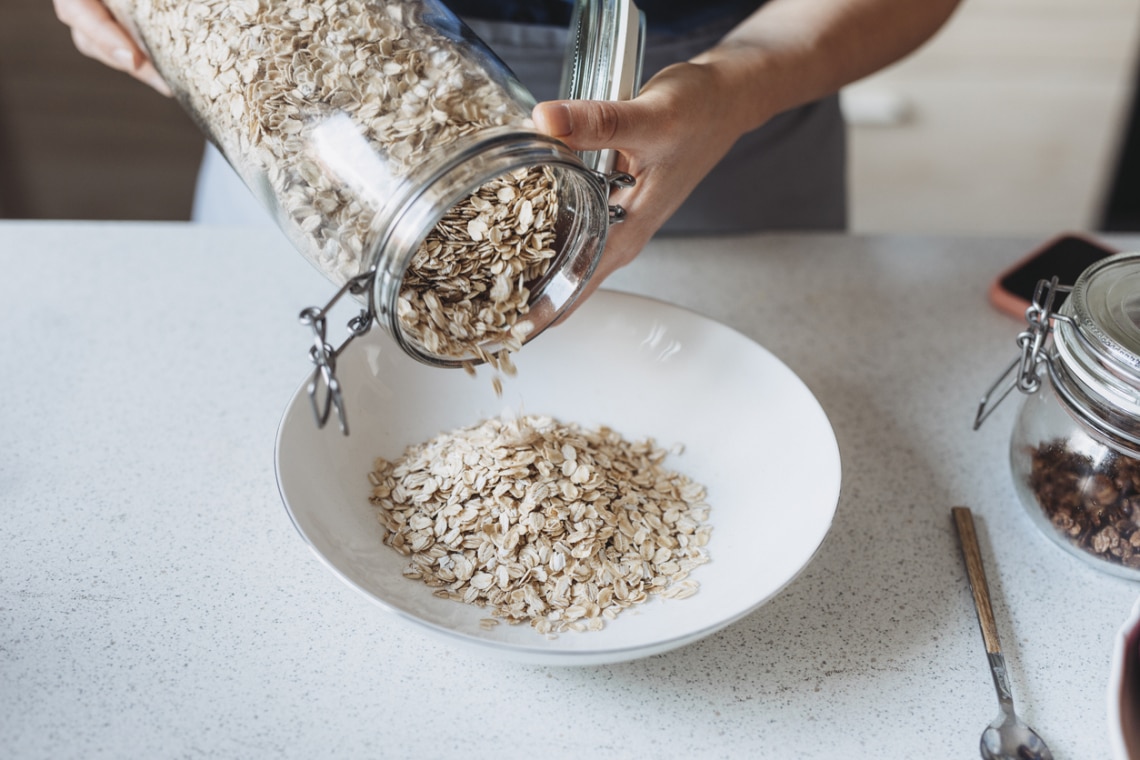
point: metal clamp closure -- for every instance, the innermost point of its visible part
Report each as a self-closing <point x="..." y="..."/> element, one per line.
<point x="324" y="388"/>
<point x="1022" y="373"/>
<point x="612" y="180"/>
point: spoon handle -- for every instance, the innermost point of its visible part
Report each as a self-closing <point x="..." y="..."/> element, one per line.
<point x="964" y="522"/>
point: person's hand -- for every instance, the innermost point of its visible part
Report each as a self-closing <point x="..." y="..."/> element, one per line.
<point x="668" y="137"/>
<point x="98" y="35"/>
<point x="787" y="53"/>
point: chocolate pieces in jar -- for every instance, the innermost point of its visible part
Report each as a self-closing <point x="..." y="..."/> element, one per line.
<point x="1094" y="504"/>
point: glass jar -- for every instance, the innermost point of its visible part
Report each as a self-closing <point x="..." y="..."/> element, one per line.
<point x="1075" y="447"/>
<point x="397" y="153"/>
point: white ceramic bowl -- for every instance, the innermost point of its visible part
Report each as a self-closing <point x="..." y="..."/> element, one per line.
<point x="752" y="433"/>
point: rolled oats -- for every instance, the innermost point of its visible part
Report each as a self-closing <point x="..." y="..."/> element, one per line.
<point x="469" y="283"/>
<point x="543" y="522"/>
<point x="323" y="107"/>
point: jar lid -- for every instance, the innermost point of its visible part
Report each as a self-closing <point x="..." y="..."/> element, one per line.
<point x="1098" y="334"/>
<point x="603" y="59"/>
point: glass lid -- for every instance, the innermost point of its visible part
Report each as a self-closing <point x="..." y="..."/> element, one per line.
<point x="1100" y="339"/>
<point x="1106" y="305"/>
<point x="603" y="58"/>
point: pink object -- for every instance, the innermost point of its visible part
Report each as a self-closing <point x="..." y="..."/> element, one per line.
<point x="1124" y="690"/>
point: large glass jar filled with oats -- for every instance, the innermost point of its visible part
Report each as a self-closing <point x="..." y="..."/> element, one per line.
<point x="1075" y="448"/>
<point x="398" y="154"/>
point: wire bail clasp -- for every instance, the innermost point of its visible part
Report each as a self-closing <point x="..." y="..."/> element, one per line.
<point x="612" y="180"/>
<point x="324" y="388"/>
<point x="1022" y="373"/>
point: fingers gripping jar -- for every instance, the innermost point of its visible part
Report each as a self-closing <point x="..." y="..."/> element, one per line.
<point x="1075" y="447"/>
<point x="398" y="155"/>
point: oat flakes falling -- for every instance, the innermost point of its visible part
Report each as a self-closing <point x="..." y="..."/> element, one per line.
<point x="543" y="522"/>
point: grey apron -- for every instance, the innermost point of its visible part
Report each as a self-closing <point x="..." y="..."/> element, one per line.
<point x="789" y="174"/>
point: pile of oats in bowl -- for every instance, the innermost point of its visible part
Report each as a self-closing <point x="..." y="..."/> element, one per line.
<point x="323" y="106"/>
<point x="543" y="522"/>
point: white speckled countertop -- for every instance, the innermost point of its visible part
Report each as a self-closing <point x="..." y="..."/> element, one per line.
<point x="156" y="602"/>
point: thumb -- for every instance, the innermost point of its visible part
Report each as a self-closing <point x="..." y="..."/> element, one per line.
<point x="590" y="124"/>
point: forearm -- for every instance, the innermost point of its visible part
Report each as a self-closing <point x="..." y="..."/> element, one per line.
<point x="790" y="52"/>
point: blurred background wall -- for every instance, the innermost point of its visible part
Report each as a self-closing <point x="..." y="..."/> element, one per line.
<point x="1011" y="121"/>
<point x="79" y="141"/>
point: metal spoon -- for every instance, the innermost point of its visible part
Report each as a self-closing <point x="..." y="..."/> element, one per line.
<point x="1008" y="737"/>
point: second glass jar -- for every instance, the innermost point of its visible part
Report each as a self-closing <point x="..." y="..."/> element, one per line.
<point x="1075" y="448"/>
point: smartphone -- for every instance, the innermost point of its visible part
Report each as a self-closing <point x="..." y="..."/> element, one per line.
<point x="1064" y="257"/>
